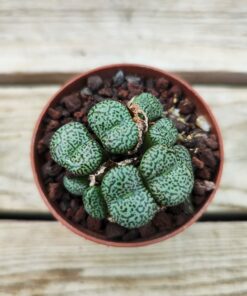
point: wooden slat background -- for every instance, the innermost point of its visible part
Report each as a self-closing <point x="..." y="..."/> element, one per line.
<point x="20" y="106"/>
<point x="43" y="43"/>
<point x="203" y="261"/>
<point x="61" y="36"/>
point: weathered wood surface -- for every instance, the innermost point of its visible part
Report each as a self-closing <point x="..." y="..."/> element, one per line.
<point x="62" y="36"/>
<point x="44" y="258"/>
<point x="20" y="106"/>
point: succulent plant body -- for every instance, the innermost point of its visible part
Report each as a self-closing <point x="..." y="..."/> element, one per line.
<point x="113" y="125"/>
<point x="129" y="195"/>
<point x="73" y="148"/>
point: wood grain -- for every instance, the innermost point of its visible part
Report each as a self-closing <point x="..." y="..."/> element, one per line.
<point x="43" y="258"/>
<point x="20" y="106"/>
<point x="59" y="36"/>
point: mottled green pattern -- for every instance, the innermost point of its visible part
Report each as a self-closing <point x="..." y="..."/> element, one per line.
<point x="162" y="132"/>
<point x="172" y="188"/>
<point x="156" y="160"/>
<point x="129" y="203"/>
<point x="113" y="125"/>
<point x="72" y="147"/>
<point x="120" y="181"/>
<point x="94" y="203"/>
<point x="150" y="105"/>
<point x="75" y="185"/>
<point x="183" y="155"/>
<point x="167" y="174"/>
<point x="135" y="211"/>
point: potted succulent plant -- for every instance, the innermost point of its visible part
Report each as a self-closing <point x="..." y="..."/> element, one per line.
<point x="127" y="155"/>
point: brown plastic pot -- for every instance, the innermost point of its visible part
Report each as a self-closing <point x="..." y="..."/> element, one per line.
<point x="107" y="72"/>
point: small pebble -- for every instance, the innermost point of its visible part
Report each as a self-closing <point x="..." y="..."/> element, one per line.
<point x="79" y="215"/>
<point x="105" y="92"/>
<point x="50" y="169"/>
<point x="94" y="82"/>
<point x="118" y="78"/>
<point x="54" y="191"/>
<point x="72" y="102"/>
<point x="131" y="235"/>
<point x="114" y="230"/>
<point x="52" y="125"/>
<point x="202" y="122"/>
<point x="134" y="80"/>
<point x="162" y="221"/>
<point x="186" y="106"/>
<point x="54" y="113"/>
<point x="147" y="230"/>
<point x="161" y="84"/>
<point x="207" y="156"/>
<point x="197" y="162"/>
<point x="94" y="224"/>
<point x="85" y="92"/>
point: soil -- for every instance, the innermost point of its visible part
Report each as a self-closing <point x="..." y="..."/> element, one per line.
<point x="202" y="145"/>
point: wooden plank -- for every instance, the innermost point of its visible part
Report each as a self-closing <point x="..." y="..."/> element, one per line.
<point x="61" y="36"/>
<point x="20" y="106"/>
<point x="43" y="258"/>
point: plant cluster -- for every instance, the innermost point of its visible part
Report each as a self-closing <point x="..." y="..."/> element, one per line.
<point x="128" y="193"/>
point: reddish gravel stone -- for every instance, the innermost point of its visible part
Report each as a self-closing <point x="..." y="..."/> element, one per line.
<point x="131" y="235"/>
<point x="94" y="224"/>
<point x="147" y="230"/>
<point x="72" y="102"/>
<point x="123" y="93"/>
<point x="54" y="113"/>
<point x="63" y="205"/>
<point x="186" y="106"/>
<point x="153" y="92"/>
<point x="54" y="191"/>
<point x="105" y="92"/>
<point x="69" y="213"/>
<point x="199" y="188"/>
<point x="207" y="156"/>
<point x="198" y="200"/>
<point x="41" y="147"/>
<point x="52" y="125"/>
<point x="86" y="92"/>
<point x="50" y="169"/>
<point x="181" y="219"/>
<point x="162" y="221"/>
<point x="79" y="114"/>
<point x="211" y="143"/>
<point x="75" y="203"/>
<point x="197" y="162"/>
<point x="175" y="91"/>
<point x="204" y="173"/>
<point x="161" y="84"/>
<point x="79" y="215"/>
<point x="94" y="82"/>
<point x="114" y="230"/>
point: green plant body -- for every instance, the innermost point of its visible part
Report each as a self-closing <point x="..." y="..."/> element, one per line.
<point x="150" y="105"/>
<point x="129" y="203"/>
<point x="168" y="175"/>
<point x="73" y="148"/>
<point x="162" y="132"/>
<point x="113" y="125"/>
<point x="75" y="185"/>
<point x="94" y="202"/>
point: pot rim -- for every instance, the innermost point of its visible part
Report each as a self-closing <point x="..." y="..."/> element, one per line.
<point x="178" y="230"/>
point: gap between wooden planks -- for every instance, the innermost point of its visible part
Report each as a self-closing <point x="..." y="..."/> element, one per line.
<point x="44" y="258"/>
<point x="62" y="36"/>
<point x="19" y="109"/>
